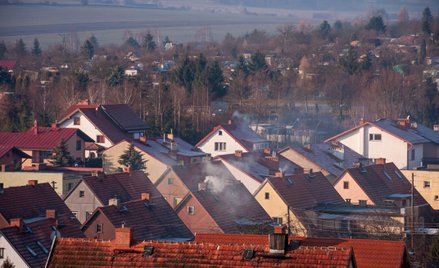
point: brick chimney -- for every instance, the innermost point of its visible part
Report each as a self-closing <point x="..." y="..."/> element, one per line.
<point x="267" y="151"/>
<point x="32" y="182"/>
<point x="238" y="153"/>
<point x="145" y="196"/>
<point x="361" y="121"/>
<point x="54" y="125"/>
<point x="278" y="240"/>
<point x="50" y="214"/>
<point x="123" y="237"/>
<point x="17" y="222"/>
<point x="127" y="169"/>
<point x="279" y="174"/>
<point x="143" y="140"/>
<point x="35" y="128"/>
<point x="380" y="161"/>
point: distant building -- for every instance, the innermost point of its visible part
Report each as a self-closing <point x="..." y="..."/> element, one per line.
<point x="426" y="182"/>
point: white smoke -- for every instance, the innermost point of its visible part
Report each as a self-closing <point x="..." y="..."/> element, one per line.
<point x="215" y="184"/>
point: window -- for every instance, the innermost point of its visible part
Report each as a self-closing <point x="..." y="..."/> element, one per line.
<point x="436" y="198"/>
<point x="374" y="137"/>
<point x="362" y="202"/>
<point x="345" y="185"/>
<point x="81" y="193"/>
<point x="348" y="200"/>
<point x="75" y="213"/>
<point x="76" y="121"/>
<point x="99" y="228"/>
<point x="88" y="214"/>
<point x="2" y="253"/>
<point x="412" y="154"/>
<point x="78" y="145"/>
<point x="267" y="195"/>
<point x="45" y="154"/>
<point x="100" y="138"/>
<point x="190" y="210"/>
<point x="220" y="146"/>
<point x="170" y="180"/>
<point x="426" y="184"/>
<point x="177" y="201"/>
<point x="278" y="220"/>
<point x="69" y="186"/>
<point x="220" y="133"/>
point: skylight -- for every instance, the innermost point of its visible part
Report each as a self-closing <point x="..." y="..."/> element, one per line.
<point x="387" y="175"/>
<point x="398" y="174"/>
<point x="42" y="247"/>
<point x="31" y="251"/>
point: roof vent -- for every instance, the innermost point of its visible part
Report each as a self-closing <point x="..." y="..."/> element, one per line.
<point x="123" y="209"/>
<point x="147" y="251"/>
<point x="248" y="254"/>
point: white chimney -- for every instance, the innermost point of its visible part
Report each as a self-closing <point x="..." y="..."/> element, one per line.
<point x="115" y="201"/>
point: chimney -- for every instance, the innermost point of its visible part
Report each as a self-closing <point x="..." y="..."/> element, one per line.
<point x="279" y="174"/>
<point x="54" y="125"/>
<point x="2" y="187"/>
<point x="32" y="182"/>
<point x="357" y="164"/>
<point x="127" y="169"/>
<point x="436" y="127"/>
<point x="145" y="196"/>
<point x="202" y="186"/>
<point x="123" y="238"/>
<point x="17" y="222"/>
<point x="35" y="128"/>
<point x="361" y="121"/>
<point x="307" y="146"/>
<point x="143" y="140"/>
<point x="403" y="122"/>
<point x="380" y="161"/>
<point x="267" y="151"/>
<point x="414" y="125"/>
<point x="230" y="122"/>
<point x="238" y="153"/>
<point x="170" y="136"/>
<point x="115" y="201"/>
<point x="50" y="214"/>
<point x="278" y="240"/>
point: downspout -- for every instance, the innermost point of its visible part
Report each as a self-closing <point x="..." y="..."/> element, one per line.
<point x="51" y="251"/>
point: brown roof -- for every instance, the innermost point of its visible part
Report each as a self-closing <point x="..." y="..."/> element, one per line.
<point x="380" y="181"/>
<point x="303" y="191"/>
<point x="80" y="253"/>
<point x="4" y="149"/>
<point x="367" y="253"/>
<point x="37" y="236"/>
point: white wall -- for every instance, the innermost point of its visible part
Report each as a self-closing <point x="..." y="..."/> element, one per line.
<point x="250" y="183"/>
<point x="231" y="145"/>
<point x="81" y="205"/>
<point x="87" y="127"/>
<point x="10" y="253"/>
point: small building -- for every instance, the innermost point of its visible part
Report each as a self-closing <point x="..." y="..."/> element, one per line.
<point x="11" y="158"/>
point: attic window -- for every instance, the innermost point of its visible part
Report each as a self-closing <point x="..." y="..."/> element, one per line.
<point x="170" y="180"/>
<point x="426" y="184"/>
<point x="81" y="193"/>
<point x="248" y="254"/>
<point x="267" y="195"/>
<point x="190" y="210"/>
<point x="2" y="253"/>
<point x="220" y="133"/>
<point x="31" y="251"/>
<point x="345" y="185"/>
<point x="375" y="137"/>
<point x="42" y="247"/>
<point x="76" y="121"/>
<point x="436" y="198"/>
<point x="99" y="228"/>
<point x="147" y="251"/>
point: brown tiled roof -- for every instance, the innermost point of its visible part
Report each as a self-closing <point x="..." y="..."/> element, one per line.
<point x="367" y="253"/>
<point x="303" y="191"/>
<point x="80" y="253"/>
<point x="379" y="181"/>
<point x="46" y="138"/>
<point x="28" y="202"/>
<point x="37" y="236"/>
<point x="153" y="219"/>
<point x="4" y="149"/>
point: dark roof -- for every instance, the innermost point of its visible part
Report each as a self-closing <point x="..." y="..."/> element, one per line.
<point x="153" y="219"/>
<point x="379" y="181"/>
<point x="325" y="156"/>
<point x="125" y="186"/>
<point x="367" y="253"/>
<point x="40" y="138"/>
<point x="304" y="191"/>
<point x="80" y="253"/>
<point x="8" y="64"/>
<point x="4" y="149"/>
<point x="124" y="117"/>
<point x="29" y="201"/>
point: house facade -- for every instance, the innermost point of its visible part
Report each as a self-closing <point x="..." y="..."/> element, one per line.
<point x="426" y="183"/>
<point x="11" y="158"/>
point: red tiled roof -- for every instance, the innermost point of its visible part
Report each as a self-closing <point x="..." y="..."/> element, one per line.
<point x="375" y="183"/>
<point x="302" y="191"/>
<point x="367" y="253"/>
<point x="46" y="138"/>
<point x="28" y="202"/>
<point x="153" y="219"/>
<point x="80" y="253"/>
<point x="37" y="236"/>
<point x="8" y="64"/>
<point x="4" y="149"/>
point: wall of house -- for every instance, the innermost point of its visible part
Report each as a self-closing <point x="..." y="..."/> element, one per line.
<point x="276" y="208"/>
<point x="87" y="127"/>
<point x="249" y="182"/>
<point x="10" y="160"/>
<point x="71" y="147"/>
<point x="174" y="192"/>
<point x="355" y="140"/>
<point x="81" y="205"/>
<point x="11" y="253"/>
<point x="13" y="179"/>
<point x="108" y="230"/>
<point x="111" y="156"/>
<point x="355" y="193"/>
<point x="200" y="221"/>
<point x="231" y="144"/>
<point x="303" y="162"/>
<point x="430" y="194"/>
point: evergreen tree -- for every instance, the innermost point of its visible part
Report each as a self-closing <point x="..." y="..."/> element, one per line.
<point x="132" y="158"/>
<point x="87" y="49"/>
<point x="61" y="156"/>
<point x="116" y="77"/>
<point x="132" y="43"/>
<point x="349" y="62"/>
<point x="20" y="47"/>
<point x="423" y="51"/>
<point x="376" y="23"/>
<point x="149" y="43"/>
<point x="3" y="50"/>
<point x="215" y="80"/>
<point x="258" y="62"/>
<point x="36" y="50"/>
<point x="427" y="21"/>
<point x="6" y="79"/>
<point x="7" y="264"/>
<point x="325" y="29"/>
<point x="94" y="41"/>
<point x="338" y="25"/>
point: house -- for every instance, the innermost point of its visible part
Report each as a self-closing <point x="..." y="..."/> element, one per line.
<point x="39" y="142"/>
<point x="208" y="198"/>
<point x="107" y="124"/>
<point x="426" y="182"/>
<point x="11" y="157"/>
<point x="30" y="217"/>
<point x="329" y="158"/>
<point x="290" y="199"/>
<point x="96" y="191"/>
<point x="9" y="65"/>
<point x="226" y="139"/>
<point x="149" y="214"/>
<point x="252" y="168"/>
<point x="368" y="253"/>
<point x="123" y="252"/>
<point x="406" y="143"/>
<point x="159" y="154"/>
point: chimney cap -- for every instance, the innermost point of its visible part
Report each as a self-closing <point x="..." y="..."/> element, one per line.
<point x="32" y="182"/>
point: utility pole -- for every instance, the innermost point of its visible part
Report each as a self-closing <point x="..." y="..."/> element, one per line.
<point x="412" y="208"/>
